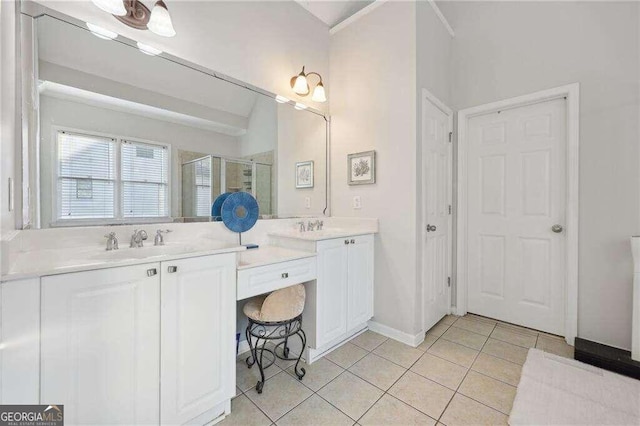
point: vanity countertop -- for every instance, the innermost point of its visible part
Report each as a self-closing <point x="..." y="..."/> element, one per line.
<point x="267" y="255"/>
<point x="325" y="234"/>
<point x="32" y="264"/>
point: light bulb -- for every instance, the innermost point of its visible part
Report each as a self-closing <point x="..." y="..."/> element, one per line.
<point x="148" y="50"/>
<point x="160" y="20"/>
<point x="114" y="7"/>
<point x="318" y="94"/>
<point x="300" y="86"/>
<point x="101" y="32"/>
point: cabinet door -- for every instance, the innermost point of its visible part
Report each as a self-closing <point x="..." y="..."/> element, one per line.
<point x="100" y="345"/>
<point x="331" y="291"/>
<point x="360" y="279"/>
<point x="198" y="336"/>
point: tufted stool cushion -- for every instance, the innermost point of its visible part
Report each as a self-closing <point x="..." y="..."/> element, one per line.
<point x="280" y="305"/>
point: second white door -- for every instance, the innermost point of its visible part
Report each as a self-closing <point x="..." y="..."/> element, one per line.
<point x="516" y="180"/>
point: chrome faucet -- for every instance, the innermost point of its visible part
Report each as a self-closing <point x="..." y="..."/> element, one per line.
<point x="319" y="224"/>
<point x="159" y="239"/>
<point x="112" y="241"/>
<point x="310" y="226"/>
<point x="301" y="226"/>
<point x="138" y="238"/>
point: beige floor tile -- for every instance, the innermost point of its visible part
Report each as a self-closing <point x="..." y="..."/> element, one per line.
<point x="465" y="338"/>
<point x="377" y="371"/>
<point x="514" y="337"/>
<point x="497" y="368"/>
<point x="476" y="325"/>
<point x="280" y="394"/>
<point x="506" y="351"/>
<point x="317" y="374"/>
<point x="422" y="394"/>
<point x="449" y="319"/>
<point x="315" y="411"/>
<point x="246" y="378"/>
<point x="429" y="340"/>
<point x="399" y="353"/>
<point x="369" y="340"/>
<point x="481" y="318"/>
<point x="555" y="346"/>
<point x="491" y="392"/>
<point x="453" y="352"/>
<point x="439" y="370"/>
<point x="346" y="355"/>
<point x="238" y="391"/>
<point x="352" y="395"/>
<point x="245" y="413"/>
<point x="438" y="329"/>
<point x="391" y="411"/>
<point x="463" y="411"/>
<point x="517" y="328"/>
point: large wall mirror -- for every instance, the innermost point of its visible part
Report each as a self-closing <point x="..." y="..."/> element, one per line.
<point x="127" y="135"/>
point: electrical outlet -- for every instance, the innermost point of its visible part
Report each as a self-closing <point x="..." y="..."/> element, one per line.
<point x="357" y="202"/>
<point x="307" y="202"/>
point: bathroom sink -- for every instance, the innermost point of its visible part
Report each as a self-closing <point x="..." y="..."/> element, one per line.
<point x="314" y="235"/>
<point x="144" y="252"/>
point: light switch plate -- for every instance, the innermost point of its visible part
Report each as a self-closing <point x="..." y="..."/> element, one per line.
<point x="357" y="202"/>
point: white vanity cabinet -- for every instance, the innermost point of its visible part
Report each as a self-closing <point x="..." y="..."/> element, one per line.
<point x="142" y="344"/>
<point x="100" y="344"/>
<point x="340" y="302"/>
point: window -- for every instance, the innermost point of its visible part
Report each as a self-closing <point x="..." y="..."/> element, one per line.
<point x="104" y="179"/>
<point x="203" y="187"/>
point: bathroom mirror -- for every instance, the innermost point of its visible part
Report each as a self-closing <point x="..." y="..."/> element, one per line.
<point x="128" y="134"/>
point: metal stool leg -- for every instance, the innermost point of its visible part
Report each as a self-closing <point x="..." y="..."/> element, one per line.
<point x="303" y="339"/>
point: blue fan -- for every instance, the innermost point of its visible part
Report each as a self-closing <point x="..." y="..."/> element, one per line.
<point x="240" y="212"/>
<point x="216" y="207"/>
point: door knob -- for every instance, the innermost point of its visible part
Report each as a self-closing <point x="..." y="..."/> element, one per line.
<point x="557" y="228"/>
<point x="431" y="228"/>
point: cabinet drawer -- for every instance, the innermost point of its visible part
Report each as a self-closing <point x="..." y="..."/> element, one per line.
<point x="263" y="279"/>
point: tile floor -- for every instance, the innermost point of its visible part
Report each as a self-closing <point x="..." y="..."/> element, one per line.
<point x="464" y="373"/>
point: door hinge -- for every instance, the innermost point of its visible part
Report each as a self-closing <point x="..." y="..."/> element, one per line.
<point x="448" y="281"/>
<point x="450" y="136"/>
<point x="449" y="208"/>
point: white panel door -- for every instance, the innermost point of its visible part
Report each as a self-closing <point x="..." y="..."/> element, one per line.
<point x="198" y="336"/>
<point x="436" y="213"/>
<point x="360" y="281"/>
<point x="331" y="290"/>
<point x="101" y="345"/>
<point x="516" y="194"/>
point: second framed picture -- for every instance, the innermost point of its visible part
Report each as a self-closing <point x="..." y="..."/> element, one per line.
<point x="304" y="174"/>
<point x="361" y="168"/>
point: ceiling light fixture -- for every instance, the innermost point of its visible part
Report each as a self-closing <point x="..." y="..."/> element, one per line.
<point x="148" y="50"/>
<point x="300" y="85"/>
<point x="281" y="99"/>
<point x="101" y="32"/>
<point x="136" y="15"/>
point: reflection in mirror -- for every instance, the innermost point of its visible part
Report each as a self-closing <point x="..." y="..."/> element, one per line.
<point x="129" y="137"/>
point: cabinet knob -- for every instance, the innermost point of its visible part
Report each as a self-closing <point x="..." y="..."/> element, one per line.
<point x="285" y="275"/>
<point x="151" y="272"/>
<point x="346" y="241"/>
<point x="353" y="241"/>
<point x="172" y="269"/>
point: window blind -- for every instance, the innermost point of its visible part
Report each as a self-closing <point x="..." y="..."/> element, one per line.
<point x="145" y="180"/>
<point x="86" y="176"/>
<point x="202" y="178"/>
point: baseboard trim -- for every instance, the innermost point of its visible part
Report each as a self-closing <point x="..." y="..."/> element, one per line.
<point x="392" y="333"/>
<point x="607" y="357"/>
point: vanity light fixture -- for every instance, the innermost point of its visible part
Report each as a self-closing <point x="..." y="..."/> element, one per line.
<point x="300" y="85"/>
<point x="148" y="50"/>
<point x="281" y="99"/>
<point x="101" y="32"/>
<point x="136" y="15"/>
<point x="300" y="106"/>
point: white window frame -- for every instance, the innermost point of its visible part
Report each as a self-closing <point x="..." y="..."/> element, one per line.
<point x="119" y="218"/>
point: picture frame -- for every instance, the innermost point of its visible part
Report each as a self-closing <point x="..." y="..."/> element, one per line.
<point x="361" y="168"/>
<point x="304" y="174"/>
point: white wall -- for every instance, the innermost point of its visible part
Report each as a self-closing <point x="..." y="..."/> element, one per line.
<point x="373" y="107"/>
<point x="65" y="113"/>
<point x="505" y="49"/>
<point x="263" y="43"/>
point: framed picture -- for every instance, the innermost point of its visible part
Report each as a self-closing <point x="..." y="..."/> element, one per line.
<point x="304" y="174"/>
<point x="361" y="168"/>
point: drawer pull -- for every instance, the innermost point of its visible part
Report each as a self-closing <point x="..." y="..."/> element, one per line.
<point x="285" y="275"/>
<point x="172" y="269"/>
<point x="346" y="241"/>
<point x="151" y="272"/>
<point x="353" y="241"/>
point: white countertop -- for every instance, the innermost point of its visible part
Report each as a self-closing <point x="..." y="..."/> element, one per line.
<point x="267" y="255"/>
<point x="41" y="263"/>
<point x="325" y="234"/>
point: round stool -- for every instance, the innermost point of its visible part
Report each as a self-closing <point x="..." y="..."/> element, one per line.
<point x="276" y="316"/>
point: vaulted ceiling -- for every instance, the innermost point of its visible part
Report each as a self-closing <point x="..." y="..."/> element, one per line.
<point x="332" y="12"/>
